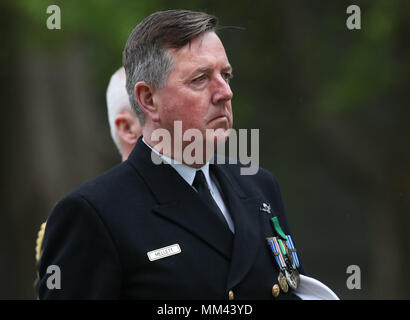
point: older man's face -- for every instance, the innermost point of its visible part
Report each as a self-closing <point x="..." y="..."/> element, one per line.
<point x="197" y="90"/>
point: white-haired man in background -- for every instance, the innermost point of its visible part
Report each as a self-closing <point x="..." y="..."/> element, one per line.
<point x="124" y="125"/>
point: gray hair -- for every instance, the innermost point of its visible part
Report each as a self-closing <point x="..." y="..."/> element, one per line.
<point x="117" y="100"/>
<point x="146" y="57"/>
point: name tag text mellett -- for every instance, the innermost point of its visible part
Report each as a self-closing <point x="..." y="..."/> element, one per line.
<point x="164" y="252"/>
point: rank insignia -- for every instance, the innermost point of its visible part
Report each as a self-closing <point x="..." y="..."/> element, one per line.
<point x="265" y="207"/>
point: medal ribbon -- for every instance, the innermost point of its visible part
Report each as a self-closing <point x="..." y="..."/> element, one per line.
<point x="277" y="228"/>
<point x="293" y="251"/>
<point x="272" y="246"/>
<point x="285" y="252"/>
<point x="278" y="253"/>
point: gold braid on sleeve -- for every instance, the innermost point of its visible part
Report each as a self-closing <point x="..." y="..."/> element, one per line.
<point x="39" y="241"/>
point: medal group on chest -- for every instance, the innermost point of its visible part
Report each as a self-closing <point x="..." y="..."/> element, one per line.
<point x="284" y="255"/>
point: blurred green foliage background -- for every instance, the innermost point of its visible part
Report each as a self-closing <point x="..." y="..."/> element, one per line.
<point x="332" y="106"/>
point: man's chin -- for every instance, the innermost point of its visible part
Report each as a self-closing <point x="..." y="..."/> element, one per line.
<point x="217" y="136"/>
<point x="220" y="124"/>
<point x="221" y="128"/>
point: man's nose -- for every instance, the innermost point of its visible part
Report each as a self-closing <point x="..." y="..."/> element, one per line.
<point x="223" y="92"/>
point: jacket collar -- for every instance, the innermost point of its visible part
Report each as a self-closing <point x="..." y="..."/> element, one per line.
<point x="186" y="172"/>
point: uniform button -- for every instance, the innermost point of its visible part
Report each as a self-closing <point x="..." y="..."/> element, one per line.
<point x="230" y="295"/>
<point x="275" y="290"/>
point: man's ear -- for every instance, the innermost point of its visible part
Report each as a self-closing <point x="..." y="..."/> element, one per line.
<point x="143" y="93"/>
<point x="128" y="127"/>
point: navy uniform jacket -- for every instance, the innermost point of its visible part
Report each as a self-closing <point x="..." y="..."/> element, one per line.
<point x="99" y="236"/>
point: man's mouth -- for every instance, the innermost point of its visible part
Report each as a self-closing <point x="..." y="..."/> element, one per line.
<point x="221" y="117"/>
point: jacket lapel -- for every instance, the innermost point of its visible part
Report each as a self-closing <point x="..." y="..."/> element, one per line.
<point x="179" y="203"/>
<point x="244" y="212"/>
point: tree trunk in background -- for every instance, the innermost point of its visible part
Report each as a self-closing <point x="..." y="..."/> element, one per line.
<point x="54" y="148"/>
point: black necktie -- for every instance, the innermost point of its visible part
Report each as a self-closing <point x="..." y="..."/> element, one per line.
<point x="204" y="193"/>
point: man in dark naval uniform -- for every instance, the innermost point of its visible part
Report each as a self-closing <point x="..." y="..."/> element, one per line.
<point x="158" y="226"/>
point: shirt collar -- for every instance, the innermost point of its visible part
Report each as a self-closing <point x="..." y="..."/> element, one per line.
<point x="186" y="172"/>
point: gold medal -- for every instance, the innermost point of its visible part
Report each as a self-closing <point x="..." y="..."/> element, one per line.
<point x="282" y="282"/>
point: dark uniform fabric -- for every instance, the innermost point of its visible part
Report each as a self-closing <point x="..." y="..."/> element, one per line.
<point x="99" y="236"/>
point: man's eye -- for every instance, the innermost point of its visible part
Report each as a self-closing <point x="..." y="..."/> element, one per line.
<point x="227" y="76"/>
<point x="199" y="79"/>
